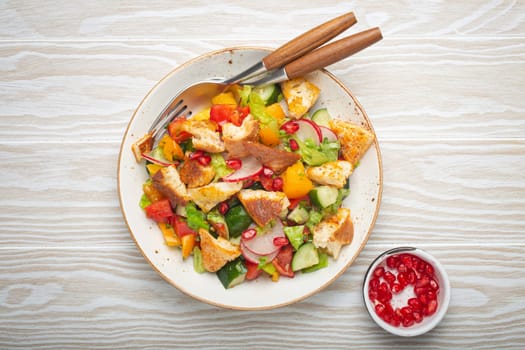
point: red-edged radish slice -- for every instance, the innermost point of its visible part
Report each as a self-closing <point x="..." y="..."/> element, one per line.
<point x="250" y="166"/>
<point x="164" y="162"/>
<point x="308" y="130"/>
<point x="256" y="258"/>
<point x="328" y="134"/>
<point x="264" y="244"/>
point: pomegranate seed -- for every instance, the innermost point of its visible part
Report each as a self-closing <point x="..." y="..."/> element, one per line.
<point x="249" y="234"/>
<point x="391" y="262"/>
<point x="407" y="260"/>
<point x="387" y="317"/>
<point x="290" y="127"/>
<point x="380" y="309"/>
<point x="417" y="317"/>
<point x="277" y="184"/>
<point x="204" y="160"/>
<point x="433" y="284"/>
<point x="267" y="172"/>
<point x="408" y="321"/>
<point x="379" y="271"/>
<point x="415" y="260"/>
<point x="407" y="311"/>
<point x="431" y="295"/>
<point x="280" y="241"/>
<point x="235" y="164"/>
<point x="397" y="288"/>
<point x="423" y="299"/>
<point x="420" y="290"/>
<point x="398" y="314"/>
<point x="385" y="297"/>
<point x="294" y="146"/>
<point x="373" y="284"/>
<point x="196" y="154"/>
<point x="420" y="267"/>
<point x="402" y="278"/>
<point x="395" y="321"/>
<point x="402" y="268"/>
<point x="389" y="277"/>
<point x="411" y="277"/>
<point x="383" y="287"/>
<point x="223" y="208"/>
<point x="414" y="303"/>
<point x="431" y="308"/>
<point x="429" y="269"/>
<point x="373" y="295"/>
<point x="423" y="282"/>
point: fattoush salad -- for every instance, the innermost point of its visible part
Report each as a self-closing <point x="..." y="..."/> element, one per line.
<point x="253" y="186"/>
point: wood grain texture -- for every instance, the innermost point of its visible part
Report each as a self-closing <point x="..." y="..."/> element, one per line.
<point x="444" y="91"/>
<point x="102" y="298"/>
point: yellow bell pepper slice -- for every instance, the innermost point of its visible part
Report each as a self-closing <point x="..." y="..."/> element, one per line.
<point x="276" y="111"/>
<point x="170" y="237"/>
<point x="224" y="98"/>
<point x="268" y="136"/>
<point x="153" y="168"/>
<point x="203" y="115"/>
<point x="188" y="243"/>
<point x="295" y="182"/>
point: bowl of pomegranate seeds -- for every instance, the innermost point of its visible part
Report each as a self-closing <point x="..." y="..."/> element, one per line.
<point x="406" y="291"/>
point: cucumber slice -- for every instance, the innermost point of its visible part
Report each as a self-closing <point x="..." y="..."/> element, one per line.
<point x="299" y="215"/>
<point x="268" y="93"/>
<point x="233" y="273"/>
<point x="322" y="117"/>
<point x="323" y="262"/>
<point x="305" y="256"/>
<point x="324" y="196"/>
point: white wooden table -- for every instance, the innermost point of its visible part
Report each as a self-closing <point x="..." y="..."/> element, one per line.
<point x="444" y="90"/>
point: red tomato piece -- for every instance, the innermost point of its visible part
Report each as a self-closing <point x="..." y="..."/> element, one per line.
<point x="181" y="226"/>
<point x="175" y="130"/>
<point x="253" y="270"/>
<point x="228" y="114"/>
<point x="283" y="261"/>
<point x="159" y="211"/>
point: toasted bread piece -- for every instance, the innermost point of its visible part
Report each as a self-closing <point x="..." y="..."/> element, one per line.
<point x="354" y="139"/>
<point x="205" y="138"/>
<point x="300" y="95"/>
<point x="263" y="206"/>
<point x="276" y="159"/>
<point x="216" y="252"/>
<point x="143" y="145"/>
<point x="194" y="174"/>
<point x="234" y="136"/>
<point x="331" y="173"/>
<point x="334" y="232"/>
<point x="167" y="181"/>
<point x="209" y="196"/>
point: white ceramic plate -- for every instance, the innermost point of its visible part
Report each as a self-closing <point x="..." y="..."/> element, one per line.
<point x="364" y="199"/>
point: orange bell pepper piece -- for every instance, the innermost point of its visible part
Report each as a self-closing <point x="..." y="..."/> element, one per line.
<point x="295" y="182"/>
<point x="188" y="243"/>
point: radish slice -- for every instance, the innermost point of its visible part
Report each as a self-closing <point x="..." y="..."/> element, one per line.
<point x="308" y="130"/>
<point x="328" y="134"/>
<point x="250" y="166"/>
<point x="256" y="258"/>
<point x="164" y="162"/>
<point x="264" y="244"/>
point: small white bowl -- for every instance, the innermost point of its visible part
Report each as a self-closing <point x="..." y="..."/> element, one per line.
<point x="443" y="296"/>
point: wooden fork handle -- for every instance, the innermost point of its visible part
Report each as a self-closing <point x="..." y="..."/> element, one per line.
<point x="332" y="53"/>
<point x="308" y="41"/>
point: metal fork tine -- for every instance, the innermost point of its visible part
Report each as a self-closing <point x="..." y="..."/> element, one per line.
<point x="166" y="112"/>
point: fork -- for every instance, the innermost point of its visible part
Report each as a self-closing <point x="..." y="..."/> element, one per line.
<point x="200" y="93"/>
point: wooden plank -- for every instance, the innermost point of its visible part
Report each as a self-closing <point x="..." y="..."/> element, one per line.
<point x="459" y="191"/>
<point x="100" y="298"/>
<point x="424" y="90"/>
<point x="235" y="19"/>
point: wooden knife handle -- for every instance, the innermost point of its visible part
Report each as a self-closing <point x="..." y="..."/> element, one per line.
<point x="332" y="53"/>
<point x="308" y="41"/>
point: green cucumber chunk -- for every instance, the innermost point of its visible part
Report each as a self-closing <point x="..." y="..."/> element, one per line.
<point x="324" y="196"/>
<point x="237" y="220"/>
<point x="268" y="93"/>
<point x="233" y="273"/>
<point x="305" y="256"/>
<point x="299" y="215"/>
<point x="198" y="266"/>
<point x="323" y="262"/>
<point x="295" y="235"/>
<point x="322" y="117"/>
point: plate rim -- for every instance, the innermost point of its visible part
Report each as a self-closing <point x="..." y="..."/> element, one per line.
<point x="291" y="301"/>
